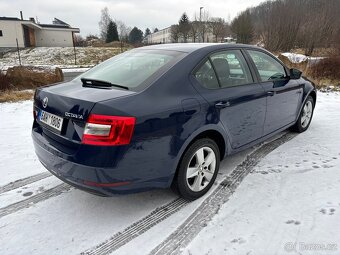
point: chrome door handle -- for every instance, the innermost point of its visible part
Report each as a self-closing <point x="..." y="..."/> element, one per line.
<point x="270" y="93"/>
<point x="221" y="105"/>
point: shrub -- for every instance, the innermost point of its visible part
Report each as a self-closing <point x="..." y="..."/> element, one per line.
<point x="4" y="82"/>
<point x="327" y="68"/>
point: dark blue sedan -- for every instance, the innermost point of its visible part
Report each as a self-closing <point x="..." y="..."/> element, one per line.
<point x="164" y="116"/>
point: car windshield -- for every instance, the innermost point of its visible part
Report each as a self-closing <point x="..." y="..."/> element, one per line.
<point x="133" y="68"/>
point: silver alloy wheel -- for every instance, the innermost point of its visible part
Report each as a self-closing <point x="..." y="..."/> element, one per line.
<point x="201" y="169"/>
<point x="306" y="114"/>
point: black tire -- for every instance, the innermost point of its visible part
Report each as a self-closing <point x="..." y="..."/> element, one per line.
<point x="298" y="126"/>
<point x="180" y="183"/>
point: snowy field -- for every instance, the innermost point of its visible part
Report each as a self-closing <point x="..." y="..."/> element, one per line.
<point x="282" y="197"/>
<point x="62" y="57"/>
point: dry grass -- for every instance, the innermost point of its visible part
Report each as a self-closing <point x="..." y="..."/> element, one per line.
<point x="326" y="84"/>
<point x="327" y="68"/>
<point x="326" y="72"/>
<point x="15" y="95"/>
<point x="5" y="83"/>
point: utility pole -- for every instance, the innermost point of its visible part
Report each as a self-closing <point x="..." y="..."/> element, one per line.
<point x="18" y="49"/>
<point x="201" y="23"/>
<point x="74" y="49"/>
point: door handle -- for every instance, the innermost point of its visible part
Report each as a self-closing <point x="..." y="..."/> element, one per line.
<point x="221" y="105"/>
<point x="271" y="93"/>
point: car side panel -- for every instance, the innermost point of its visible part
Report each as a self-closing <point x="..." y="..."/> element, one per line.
<point x="283" y="100"/>
<point x="244" y="116"/>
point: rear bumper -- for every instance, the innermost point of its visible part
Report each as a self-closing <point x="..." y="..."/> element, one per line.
<point x="115" y="180"/>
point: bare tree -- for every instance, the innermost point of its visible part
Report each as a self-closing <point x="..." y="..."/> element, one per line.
<point x="175" y="33"/>
<point x="79" y="41"/>
<point x="285" y="24"/>
<point x="319" y="25"/>
<point x="105" y="19"/>
<point x="218" y="28"/>
<point x="203" y="25"/>
<point x="194" y="28"/>
<point x="242" y="26"/>
<point x="123" y="30"/>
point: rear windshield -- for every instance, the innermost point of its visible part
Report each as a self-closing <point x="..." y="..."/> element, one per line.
<point x="134" y="69"/>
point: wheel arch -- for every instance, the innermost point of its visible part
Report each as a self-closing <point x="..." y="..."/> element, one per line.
<point x="213" y="132"/>
<point x="311" y="93"/>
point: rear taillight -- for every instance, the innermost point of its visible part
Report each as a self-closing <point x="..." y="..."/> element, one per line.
<point x="35" y="113"/>
<point x="108" y="130"/>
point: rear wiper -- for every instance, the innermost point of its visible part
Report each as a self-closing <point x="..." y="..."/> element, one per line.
<point x="100" y="83"/>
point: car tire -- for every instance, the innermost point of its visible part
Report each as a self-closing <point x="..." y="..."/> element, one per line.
<point x="197" y="169"/>
<point x="305" y="116"/>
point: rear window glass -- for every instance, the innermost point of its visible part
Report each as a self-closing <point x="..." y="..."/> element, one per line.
<point x="231" y="68"/>
<point x="133" y="68"/>
<point x="206" y="76"/>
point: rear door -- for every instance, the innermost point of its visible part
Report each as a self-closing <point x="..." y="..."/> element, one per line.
<point x="227" y="83"/>
<point x="283" y="93"/>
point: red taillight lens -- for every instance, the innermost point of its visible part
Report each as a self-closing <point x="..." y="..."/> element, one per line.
<point x="108" y="130"/>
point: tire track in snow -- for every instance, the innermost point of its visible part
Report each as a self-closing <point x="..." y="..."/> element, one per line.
<point x="137" y="228"/>
<point x="186" y="232"/>
<point x="210" y="206"/>
<point x="25" y="181"/>
<point x="53" y="192"/>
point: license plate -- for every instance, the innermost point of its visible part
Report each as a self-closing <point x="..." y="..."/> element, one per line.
<point x="51" y="120"/>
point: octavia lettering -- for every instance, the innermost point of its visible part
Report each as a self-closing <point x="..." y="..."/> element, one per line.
<point x="74" y="115"/>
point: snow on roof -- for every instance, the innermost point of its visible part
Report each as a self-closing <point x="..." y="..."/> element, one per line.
<point x="56" y="23"/>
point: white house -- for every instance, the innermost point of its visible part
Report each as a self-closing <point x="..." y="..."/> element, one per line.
<point x="28" y="33"/>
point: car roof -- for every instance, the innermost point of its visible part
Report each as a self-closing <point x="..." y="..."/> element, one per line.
<point x="191" y="47"/>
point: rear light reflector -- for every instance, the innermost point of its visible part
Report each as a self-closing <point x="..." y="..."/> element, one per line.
<point x="108" y="130"/>
<point x="97" y="184"/>
<point x="35" y="114"/>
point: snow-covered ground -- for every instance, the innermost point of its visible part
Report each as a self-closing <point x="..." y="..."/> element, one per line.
<point x="62" y="57"/>
<point x="298" y="58"/>
<point x="289" y="203"/>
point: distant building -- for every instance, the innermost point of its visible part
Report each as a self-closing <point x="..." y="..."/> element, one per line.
<point x="164" y="36"/>
<point x="161" y="36"/>
<point x="28" y="33"/>
<point x="229" y="39"/>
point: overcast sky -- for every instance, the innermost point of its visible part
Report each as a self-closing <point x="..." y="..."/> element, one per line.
<point x="85" y="14"/>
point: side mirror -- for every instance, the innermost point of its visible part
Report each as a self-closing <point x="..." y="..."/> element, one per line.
<point x="295" y="73"/>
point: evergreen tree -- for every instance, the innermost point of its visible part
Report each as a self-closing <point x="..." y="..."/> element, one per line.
<point x="147" y="32"/>
<point x="135" y="36"/>
<point x="112" y="33"/>
<point x="184" y="26"/>
<point x="155" y="30"/>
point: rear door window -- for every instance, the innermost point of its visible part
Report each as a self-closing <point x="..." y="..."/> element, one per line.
<point x="206" y="76"/>
<point x="269" y="68"/>
<point x="231" y="68"/>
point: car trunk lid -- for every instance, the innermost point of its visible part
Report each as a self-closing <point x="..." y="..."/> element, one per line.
<point x="72" y="102"/>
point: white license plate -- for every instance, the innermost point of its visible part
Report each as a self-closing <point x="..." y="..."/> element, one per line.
<point x="51" y="120"/>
